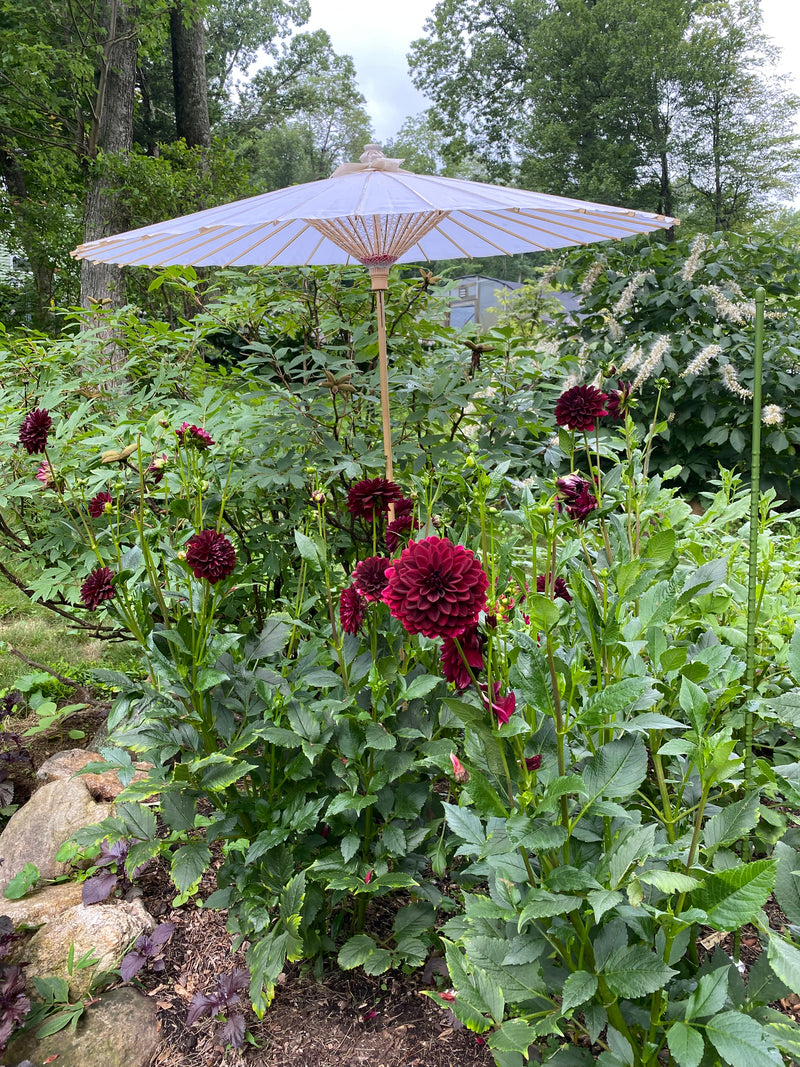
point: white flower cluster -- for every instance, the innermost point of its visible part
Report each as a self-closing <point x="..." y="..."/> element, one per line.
<point x="738" y="314"/>
<point x="628" y="295"/>
<point x="772" y="415"/>
<point x="700" y="362"/>
<point x="647" y="369"/>
<point x="699" y="245"/>
<point x="632" y="360"/>
<point x="731" y="382"/>
<point x="588" y="282"/>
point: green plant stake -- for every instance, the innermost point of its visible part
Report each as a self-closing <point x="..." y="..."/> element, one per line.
<point x="755" y="469"/>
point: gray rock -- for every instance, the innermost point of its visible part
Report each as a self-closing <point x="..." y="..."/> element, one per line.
<point x="42" y="905"/>
<point x="37" y="831"/>
<point x="105" y="786"/>
<point x="105" y="930"/>
<point x="119" y="1030"/>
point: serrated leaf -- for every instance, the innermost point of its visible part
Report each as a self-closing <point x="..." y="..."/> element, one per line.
<point x="140" y="822"/>
<point x="787" y="1038"/>
<point x="785" y="961"/>
<point x="466" y="825"/>
<point x="793" y="655"/>
<point x="539" y="904"/>
<point x="603" y="900"/>
<point x="208" y="677"/>
<point x="733" y="822"/>
<point x="307" y="549"/>
<point x="351" y="802"/>
<point x="787" y="881"/>
<point x="616" y="770"/>
<point x="686" y="1044"/>
<point x="420" y="686"/>
<point x="731" y="898"/>
<point x="349" y="846"/>
<point x="635" y="972"/>
<point x="710" y="995"/>
<point x="705" y="579"/>
<point x="660" y="546"/>
<point x="669" y="881"/>
<point x="579" y="987"/>
<point x="189" y="864"/>
<point x="515" y="1035"/>
<point x="361" y="951"/>
<point x="741" y="1041"/>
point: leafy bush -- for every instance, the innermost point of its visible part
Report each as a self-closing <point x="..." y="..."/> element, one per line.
<point x="697" y="296"/>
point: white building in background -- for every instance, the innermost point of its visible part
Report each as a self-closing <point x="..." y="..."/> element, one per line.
<point x="473" y="296"/>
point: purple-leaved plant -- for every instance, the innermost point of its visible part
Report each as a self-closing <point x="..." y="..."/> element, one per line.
<point x="225" y="997"/>
<point x="146" y="949"/>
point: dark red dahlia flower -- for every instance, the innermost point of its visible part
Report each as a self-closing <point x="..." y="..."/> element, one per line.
<point x="97" y="588"/>
<point x="97" y="505"/>
<point x="403" y="506"/>
<point x="533" y="763"/>
<point x="503" y="707"/>
<point x="210" y="555"/>
<point x="370" y="499"/>
<point x="619" y="400"/>
<point x="369" y="577"/>
<point x="580" y="407"/>
<point x="453" y="667"/>
<point x="156" y="468"/>
<point x="194" y="437"/>
<point x="351" y="610"/>
<point x="576" y="495"/>
<point x="559" y="588"/>
<point x="436" y="588"/>
<point x="399" y="529"/>
<point x="34" y="430"/>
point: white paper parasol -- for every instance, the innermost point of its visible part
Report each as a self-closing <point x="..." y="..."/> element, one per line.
<point x="376" y="214"/>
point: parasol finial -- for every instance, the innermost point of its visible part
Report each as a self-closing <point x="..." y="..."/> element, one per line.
<point x="372" y="158"/>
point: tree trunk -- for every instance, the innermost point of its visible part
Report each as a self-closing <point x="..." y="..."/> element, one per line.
<point x="112" y="134"/>
<point x="189" y="78"/>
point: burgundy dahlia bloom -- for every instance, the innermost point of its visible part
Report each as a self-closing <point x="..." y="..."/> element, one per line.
<point x="399" y="529"/>
<point x="533" y="763"/>
<point x="580" y="407"/>
<point x="503" y="707"/>
<point x="577" y="496"/>
<point x="618" y="400"/>
<point x="97" y="588"/>
<point x="97" y="505"/>
<point x="210" y="555"/>
<point x="559" y="588"/>
<point x="351" y="610"/>
<point x="369" y="577"/>
<point x="34" y="430"/>
<point x="436" y="588"/>
<point x="453" y="667"/>
<point x="194" y="437"/>
<point x="156" y="467"/>
<point x="370" y="499"/>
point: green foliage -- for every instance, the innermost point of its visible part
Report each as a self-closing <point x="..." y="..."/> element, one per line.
<point x="694" y="299"/>
<point x="584" y="790"/>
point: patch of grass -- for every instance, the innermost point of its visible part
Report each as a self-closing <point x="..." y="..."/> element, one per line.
<point x="46" y="639"/>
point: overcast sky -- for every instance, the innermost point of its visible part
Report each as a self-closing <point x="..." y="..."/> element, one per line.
<point x="377" y="34"/>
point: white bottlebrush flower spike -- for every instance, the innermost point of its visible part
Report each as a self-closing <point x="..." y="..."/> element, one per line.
<point x="701" y="361"/>
<point x="648" y="368"/>
<point x="731" y="382"/>
<point x="699" y="245"/>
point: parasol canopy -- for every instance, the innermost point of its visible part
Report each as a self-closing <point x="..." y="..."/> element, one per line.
<point x="375" y="213"/>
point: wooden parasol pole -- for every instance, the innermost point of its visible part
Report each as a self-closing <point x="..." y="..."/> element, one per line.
<point x="380" y="281"/>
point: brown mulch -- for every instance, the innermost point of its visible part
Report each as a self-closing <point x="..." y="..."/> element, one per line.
<point x="344" y="1019"/>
